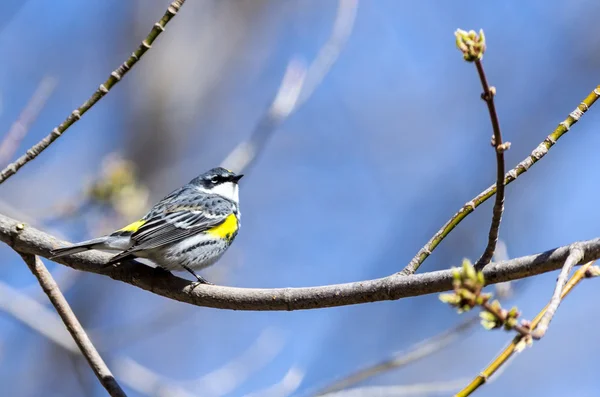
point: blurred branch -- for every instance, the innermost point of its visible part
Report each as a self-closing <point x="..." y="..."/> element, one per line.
<point x="219" y="382"/>
<point x="230" y="376"/>
<point x="575" y="256"/>
<point x="538" y="153"/>
<point x="418" y="389"/>
<point x="520" y="342"/>
<point x="73" y="326"/>
<point x="102" y="90"/>
<point x="297" y="86"/>
<point x="36" y="316"/>
<point x="417" y="352"/>
<point x="289" y="384"/>
<point x="20" y="127"/>
<point x="473" y="46"/>
<point x="28" y="240"/>
<point x="146" y="381"/>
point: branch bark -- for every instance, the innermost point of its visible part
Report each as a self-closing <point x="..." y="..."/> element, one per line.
<point x="29" y="240"/>
<point x="63" y="309"/>
<point x="102" y="90"/>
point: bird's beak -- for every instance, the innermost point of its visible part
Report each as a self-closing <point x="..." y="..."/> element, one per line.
<point x="237" y="178"/>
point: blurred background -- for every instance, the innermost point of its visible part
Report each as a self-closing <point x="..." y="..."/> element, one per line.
<point x="389" y="119"/>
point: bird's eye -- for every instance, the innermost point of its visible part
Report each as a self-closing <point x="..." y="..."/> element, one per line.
<point x="214" y="180"/>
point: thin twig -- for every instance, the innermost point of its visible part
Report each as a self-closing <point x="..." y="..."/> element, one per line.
<point x="417" y="352"/>
<point x="20" y="127"/>
<point x="499" y="147"/>
<point x="575" y="256"/>
<point x="102" y="90"/>
<point x="519" y="342"/>
<point x="536" y="155"/>
<point x="297" y="85"/>
<point x="63" y="309"/>
<point x="27" y="239"/>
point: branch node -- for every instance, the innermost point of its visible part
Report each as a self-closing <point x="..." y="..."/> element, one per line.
<point x="503" y="147"/>
<point x="565" y="124"/>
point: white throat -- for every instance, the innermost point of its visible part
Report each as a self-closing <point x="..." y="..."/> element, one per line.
<point x="229" y="190"/>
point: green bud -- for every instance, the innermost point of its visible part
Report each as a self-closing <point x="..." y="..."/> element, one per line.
<point x="471" y="44"/>
<point x="450" y="298"/>
<point x="468" y="270"/>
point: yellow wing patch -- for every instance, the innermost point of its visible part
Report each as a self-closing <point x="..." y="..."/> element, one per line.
<point x="226" y="229"/>
<point x="133" y="227"/>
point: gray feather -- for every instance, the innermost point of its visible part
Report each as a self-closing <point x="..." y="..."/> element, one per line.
<point x="102" y="243"/>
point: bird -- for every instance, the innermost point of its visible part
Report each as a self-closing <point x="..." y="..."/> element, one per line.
<point x="188" y="230"/>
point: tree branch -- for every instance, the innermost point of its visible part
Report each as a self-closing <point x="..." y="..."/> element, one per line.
<point x="18" y="130"/>
<point x="63" y="309"/>
<point x="488" y="97"/>
<point x="536" y="155"/>
<point x="102" y="90"/>
<point x="575" y="256"/>
<point x="29" y="240"/>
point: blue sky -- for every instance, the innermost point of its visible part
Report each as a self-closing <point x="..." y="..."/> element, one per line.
<point x="388" y="147"/>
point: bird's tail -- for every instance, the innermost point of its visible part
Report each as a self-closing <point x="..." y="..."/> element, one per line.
<point x="79" y="247"/>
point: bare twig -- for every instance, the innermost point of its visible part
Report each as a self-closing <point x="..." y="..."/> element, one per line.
<point x="102" y="90"/>
<point x="575" y="256"/>
<point x="28" y="240"/>
<point x="519" y="342"/>
<point x="20" y="127"/>
<point x="536" y="155"/>
<point x="298" y="84"/>
<point x="72" y="324"/>
<point x="488" y="97"/>
<point x="420" y="350"/>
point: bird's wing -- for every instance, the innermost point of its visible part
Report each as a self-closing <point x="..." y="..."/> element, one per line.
<point x="170" y="222"/>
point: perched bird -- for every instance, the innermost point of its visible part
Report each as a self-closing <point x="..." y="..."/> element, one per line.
<point x="187" y="230"/>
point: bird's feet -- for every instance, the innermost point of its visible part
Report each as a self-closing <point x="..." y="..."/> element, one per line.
<point x="201" y="280"/>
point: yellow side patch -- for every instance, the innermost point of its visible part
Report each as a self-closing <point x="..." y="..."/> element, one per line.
<point x="133" y="227"/>
<point x="226" y="229"/>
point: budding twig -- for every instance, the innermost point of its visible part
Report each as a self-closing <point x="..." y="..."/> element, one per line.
<point x="519" y="342"/>
<point x="473" y="46"/>
<point x="536" y="155"/>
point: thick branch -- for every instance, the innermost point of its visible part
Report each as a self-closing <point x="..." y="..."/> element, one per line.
<point x="102" y="90"/>
<point x="540" y="151"/>
<point x="32" y="241"/>
<point x="63" y="309"/>
<point x="499" y="147"/>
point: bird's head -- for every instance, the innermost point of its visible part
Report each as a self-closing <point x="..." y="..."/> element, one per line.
<point x="219" y="181"/>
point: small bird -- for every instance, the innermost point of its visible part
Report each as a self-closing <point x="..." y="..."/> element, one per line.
<point x="187" y="230"/>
